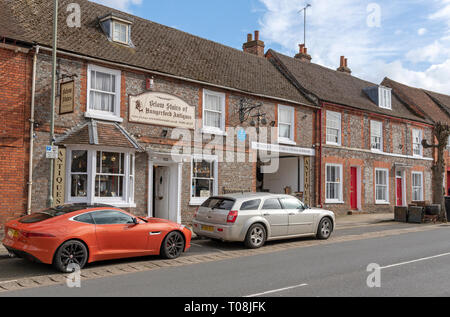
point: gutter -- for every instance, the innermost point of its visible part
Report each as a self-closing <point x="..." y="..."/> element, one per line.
<point x="140" y="69"/>
<point x="30" y="161"/>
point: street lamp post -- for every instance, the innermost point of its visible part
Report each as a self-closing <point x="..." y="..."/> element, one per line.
<point x="53" y="101"/>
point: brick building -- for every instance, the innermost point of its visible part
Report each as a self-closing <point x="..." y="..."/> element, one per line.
<point x="369" y="152"/>
<point x="433" y="105"/>
<point x="131" y="84"/>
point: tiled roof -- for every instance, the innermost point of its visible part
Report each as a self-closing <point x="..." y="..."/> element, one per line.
<point x="442" y="100"/>
<point x="101" y="134"/>
<point x="339" y="88"/>
<point x="418" y="98"/>
<point x="157" y="47"/>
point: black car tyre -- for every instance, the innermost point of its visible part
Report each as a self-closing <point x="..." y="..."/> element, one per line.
<point x="173" y="245"/>
<point x="325" y="229"/>
<point x="256" y="236"/>
<point x="71" y="255"/>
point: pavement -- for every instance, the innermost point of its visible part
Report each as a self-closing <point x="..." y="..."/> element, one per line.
<point x="346" y="221"/>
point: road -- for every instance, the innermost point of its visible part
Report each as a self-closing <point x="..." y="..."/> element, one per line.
<point x="412" y="264"/>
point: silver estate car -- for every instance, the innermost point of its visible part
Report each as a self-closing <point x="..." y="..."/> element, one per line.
<point x="254" y="218"/>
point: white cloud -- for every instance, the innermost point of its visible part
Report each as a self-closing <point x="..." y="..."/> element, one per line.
<point x="341" y="28"/>
<point x="422" y="31"/>
<point x="123" y="5"/>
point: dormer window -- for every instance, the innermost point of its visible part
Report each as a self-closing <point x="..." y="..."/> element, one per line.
<point x="385" y="97"/>
<point x="120" y="32"/>
<point x="117" y="28"/>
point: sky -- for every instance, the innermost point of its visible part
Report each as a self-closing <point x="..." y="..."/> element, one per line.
<point x="405" y="40"/>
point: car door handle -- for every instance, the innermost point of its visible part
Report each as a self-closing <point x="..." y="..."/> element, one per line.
<point x="292" y="214"/>
<point x="265" y="215"/>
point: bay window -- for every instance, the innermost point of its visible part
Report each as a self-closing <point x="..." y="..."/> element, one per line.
<point x="98" y="176"/>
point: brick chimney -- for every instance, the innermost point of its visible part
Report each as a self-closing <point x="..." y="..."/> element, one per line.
<point x="344" y="67"/>
<point x="303" y="54"/>
<point x="255" y="46"/>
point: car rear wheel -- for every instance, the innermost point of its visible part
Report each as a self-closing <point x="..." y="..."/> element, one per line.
<point x="325" y="229"/>
<point x="70" y="256"/>
<point x="256" y="236"/>
<point x="173" y="245"/>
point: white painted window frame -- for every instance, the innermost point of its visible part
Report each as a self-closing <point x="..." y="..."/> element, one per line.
<point x="128" y="188"/>
<point x="328" y="113"/>
<point x="197" y="201"/>
<point x="377" y="201"/>
<point x="127" y="32"/>
<point x="417" y="187"/>
<point x="340" y="199"/>
<point x="420" y="142"/>
<point x="372" y="122"/>
<point x="291" y="140"/>
<point x="104" y="115"/>
<point x="214" y="130"/>
<point x="385" y="97"/>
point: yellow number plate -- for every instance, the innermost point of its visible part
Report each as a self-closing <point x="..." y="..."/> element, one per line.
<point x="208" y="228"/>
<point x="13" y="233"/>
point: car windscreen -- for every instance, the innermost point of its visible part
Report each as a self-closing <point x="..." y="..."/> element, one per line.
<point x="219" y="203"/>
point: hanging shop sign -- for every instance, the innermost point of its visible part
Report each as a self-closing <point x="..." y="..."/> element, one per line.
<point x="307" y="182"/>
<point x="59" y="178"/>
<point x="161" y="109"/>
<point x="67" y="98"/>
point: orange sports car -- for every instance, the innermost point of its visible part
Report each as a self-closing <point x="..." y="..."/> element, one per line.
<point x="78" y="234"/>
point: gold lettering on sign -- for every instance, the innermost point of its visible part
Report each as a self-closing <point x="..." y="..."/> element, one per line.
<point x="307" y="181"/>
<point x="67" y="99"/>
<point x="59" y="180"/>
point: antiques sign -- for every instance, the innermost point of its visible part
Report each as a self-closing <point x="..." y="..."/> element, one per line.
<point x="59" y="178"/>
<point x="161" y="109"/>
<point x="67" y="99"/>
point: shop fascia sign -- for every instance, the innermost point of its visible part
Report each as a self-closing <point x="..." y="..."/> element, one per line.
<point x="161" y="109"/>
<point x="283" y="149"/>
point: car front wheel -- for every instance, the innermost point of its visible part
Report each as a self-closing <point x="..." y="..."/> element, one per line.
<point x="71" y="255"/>
<point x="173" y="245"/>
<point x="325" y="229"/>
<point x="256" y="236"/>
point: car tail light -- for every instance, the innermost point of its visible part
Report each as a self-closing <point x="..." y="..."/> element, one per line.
<point x="232" y="216"/>
<point x="36" y="235"/>
<point x="196" y="212"/>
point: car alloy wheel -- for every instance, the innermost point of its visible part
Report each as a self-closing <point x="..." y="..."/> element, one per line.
<point x="256" y="237"/>
<point x="325" y="229"/>
<point x="173" y="245"/>
<point x="71" y="254"/>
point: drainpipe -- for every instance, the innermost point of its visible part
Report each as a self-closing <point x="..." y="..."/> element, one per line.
<point x="320" y="158"/>
<point x="30" y="163"/>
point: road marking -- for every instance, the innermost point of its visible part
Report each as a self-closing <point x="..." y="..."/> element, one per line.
<point x="415" y="261"/>
<point x="278" y="290"/>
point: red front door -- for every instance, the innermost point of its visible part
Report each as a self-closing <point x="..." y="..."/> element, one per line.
<point x="354" y="189"/>
<point x="399" y="192"/>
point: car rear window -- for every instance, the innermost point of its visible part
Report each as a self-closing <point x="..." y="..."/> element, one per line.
<point x="251" y="204"/>
<point x="37" y="217"/>
<point x="219" y="203"/>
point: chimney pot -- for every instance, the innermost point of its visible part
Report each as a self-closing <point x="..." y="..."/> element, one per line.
<point x="303" y="54"/>
<point x="344" y="68"/>
<point x="302" y="48"/>
<point x="345" y="63"/>
<point x="249" y="37"/>
<point x="256" y="46"/>
<point x="256" y="35"/>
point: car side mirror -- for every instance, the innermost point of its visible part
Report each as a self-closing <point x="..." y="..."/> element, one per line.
<point x="135" y="221"/>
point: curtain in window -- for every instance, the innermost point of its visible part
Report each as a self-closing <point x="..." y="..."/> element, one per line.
<point x="333" y="183"/>
<point x="213" y="111"/>
<point x="103" y="91"/>
<point x="285" y="123"/>
<point x="333" y="127"/>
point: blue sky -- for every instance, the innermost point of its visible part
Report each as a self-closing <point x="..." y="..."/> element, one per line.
<point x="406" y="40"/>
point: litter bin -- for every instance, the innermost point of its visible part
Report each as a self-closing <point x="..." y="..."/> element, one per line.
<point x="447" y="206"/>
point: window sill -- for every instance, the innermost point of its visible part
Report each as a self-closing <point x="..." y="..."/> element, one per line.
<point x="286" y="142"/>
<point x="334" y="202"/>
<point x="197" y="201"/>
<point x="382" y="203"/>
<point x="333" y="144"/>
<point x="213" y="132"/>
<point x="104" y="117"/>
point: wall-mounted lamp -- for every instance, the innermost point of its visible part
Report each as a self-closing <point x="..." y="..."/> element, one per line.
<point x="150" y="84"/>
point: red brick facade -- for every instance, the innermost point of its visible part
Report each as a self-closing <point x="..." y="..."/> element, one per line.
<point x="15" y="83"/>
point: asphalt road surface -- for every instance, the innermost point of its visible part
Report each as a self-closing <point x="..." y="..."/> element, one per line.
<point x="411" y="264"/>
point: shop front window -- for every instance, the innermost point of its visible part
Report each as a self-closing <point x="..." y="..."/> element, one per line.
<point x="79" y="175"/>
<point x="204" y="179"/>
<point x="110" y="174"/>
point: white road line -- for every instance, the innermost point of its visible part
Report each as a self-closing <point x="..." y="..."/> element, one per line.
<point x="414" y="261"/>
<point x="277" y="290"/>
